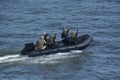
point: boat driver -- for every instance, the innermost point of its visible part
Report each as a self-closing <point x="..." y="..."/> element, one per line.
<point x="41" y="43"/>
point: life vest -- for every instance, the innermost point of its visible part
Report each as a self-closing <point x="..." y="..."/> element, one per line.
<point x="41" y="44"/>
<point x="73" y="34"/>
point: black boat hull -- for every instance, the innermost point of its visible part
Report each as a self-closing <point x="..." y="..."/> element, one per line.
<point x="82" y="43"/>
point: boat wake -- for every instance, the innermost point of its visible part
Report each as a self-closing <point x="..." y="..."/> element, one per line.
<point x="12" y="58"/>
<point x="53" y="58"/>
<point x="45" y="59"/>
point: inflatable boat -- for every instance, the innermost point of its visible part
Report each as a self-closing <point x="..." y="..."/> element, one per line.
<point x="81" y="43"/>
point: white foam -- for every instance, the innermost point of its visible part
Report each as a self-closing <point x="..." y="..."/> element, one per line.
<point x="45" y="59"/>
<point x="53" y="58"/>
<point x="11" y="58"/>
<point x="76" y="51"/>
<point x="8" y="56"/>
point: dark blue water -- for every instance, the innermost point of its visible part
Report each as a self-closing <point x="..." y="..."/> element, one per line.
<point x="22" y="21"/>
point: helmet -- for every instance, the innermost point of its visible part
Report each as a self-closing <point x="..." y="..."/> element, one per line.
<point x="64" y="30"/>
<point x="43" y="33"/>
<point x="51" y="35"/>
<point x="41" y="37"/>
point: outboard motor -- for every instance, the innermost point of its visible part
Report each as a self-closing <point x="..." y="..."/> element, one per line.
<point x="28" y="48"/>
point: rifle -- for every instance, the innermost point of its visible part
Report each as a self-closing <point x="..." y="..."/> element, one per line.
<point x="77" y="33"/>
